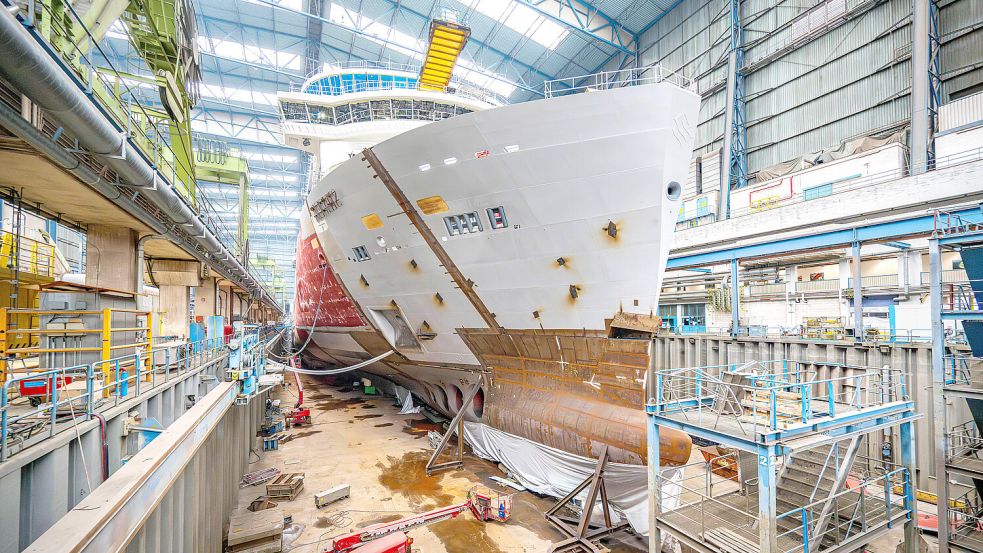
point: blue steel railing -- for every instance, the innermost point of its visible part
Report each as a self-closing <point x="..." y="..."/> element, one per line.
<point x="899" y="335"/>
<point x="141" y="371"/>
<point x="773" y="395"/>
<point x="872" y="502"/>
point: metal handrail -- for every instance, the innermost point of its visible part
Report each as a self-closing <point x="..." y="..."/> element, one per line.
<point x="860" y="183"/>
<point x="680" y="391"/>
<point x="868" y="506"/>
<point x="606" y="80"/>
<point x="100" y="392"/>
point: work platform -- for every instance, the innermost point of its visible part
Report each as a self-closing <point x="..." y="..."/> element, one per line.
<point x="89" y="428"/>
<point x="789" y="472"/>
<point x="958" y="379"/>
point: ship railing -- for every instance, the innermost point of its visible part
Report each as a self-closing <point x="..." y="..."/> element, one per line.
<point x="705" y="495"/>
<point x="963" y="441"/>
<point x="963" y="370"/>
<point x="762" y="397"/>
<point x="325" y="115"/>
<point x="455" y="89"/>
<point x="606" y="80"/>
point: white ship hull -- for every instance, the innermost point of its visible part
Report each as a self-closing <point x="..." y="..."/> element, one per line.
<point x="588" y="184"/>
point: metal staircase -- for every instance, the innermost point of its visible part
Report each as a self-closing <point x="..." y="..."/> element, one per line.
<point x="815" y="477"/>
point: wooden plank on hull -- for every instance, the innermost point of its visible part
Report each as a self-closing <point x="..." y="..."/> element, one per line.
<point x="464" y="284"/>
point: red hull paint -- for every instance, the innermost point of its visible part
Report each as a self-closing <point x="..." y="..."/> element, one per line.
<point x="316" y="283"/>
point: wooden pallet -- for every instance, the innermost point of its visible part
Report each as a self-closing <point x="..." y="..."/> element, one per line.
<point x="285" y="486"/>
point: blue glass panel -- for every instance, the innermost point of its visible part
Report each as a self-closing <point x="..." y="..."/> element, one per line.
<point x="702" y="207"/>
<point x="820" y="191"/>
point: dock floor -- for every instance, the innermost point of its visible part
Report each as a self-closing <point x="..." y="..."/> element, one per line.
<point x="364" y="442"/>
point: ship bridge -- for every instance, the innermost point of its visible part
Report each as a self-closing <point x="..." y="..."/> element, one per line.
<point x="347" y="107"/>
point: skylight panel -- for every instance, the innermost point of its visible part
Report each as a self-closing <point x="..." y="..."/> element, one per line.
<point x="467" y="71"/>
<point x="118" y="30"/>
<point x="253" y="54"/>
<point x="378" y="32"/>
<point x="521" y="19"/>
<point x="272" y="158"/>
<point x="296" y="5"/>
<point x="237" y="94"/>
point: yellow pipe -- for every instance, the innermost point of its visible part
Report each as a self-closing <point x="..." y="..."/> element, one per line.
<point x="107" y="338"/>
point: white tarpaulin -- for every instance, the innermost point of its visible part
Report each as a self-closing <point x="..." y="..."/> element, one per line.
<point x="549" y="471"/>
<point x="405" y="398"/>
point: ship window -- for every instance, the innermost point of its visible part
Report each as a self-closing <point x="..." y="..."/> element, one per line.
<point x="463" y="224"/>
<point x="496" y="217"/>
<point x="361" y="254"/>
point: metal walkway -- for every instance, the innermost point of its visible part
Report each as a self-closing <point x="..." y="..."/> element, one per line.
<point x="794" y="434"/>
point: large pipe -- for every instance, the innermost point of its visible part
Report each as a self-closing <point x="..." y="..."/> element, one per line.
<point x="26" y="65"/>
<point x="11" y="120"/>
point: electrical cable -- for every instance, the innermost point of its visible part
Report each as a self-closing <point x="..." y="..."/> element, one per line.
<point x="317" y="313"/>
<point x="349" y="368"/>
<point x="78" y="434"/>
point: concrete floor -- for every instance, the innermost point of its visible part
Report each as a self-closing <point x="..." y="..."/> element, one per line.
<point x="364" y="442"/>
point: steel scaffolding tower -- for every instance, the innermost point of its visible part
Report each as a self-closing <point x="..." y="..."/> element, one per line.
<point x="789" y="472"/>
<point x="958" y="380"/>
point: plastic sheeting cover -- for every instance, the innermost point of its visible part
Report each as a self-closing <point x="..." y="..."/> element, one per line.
<point x="844" y="149"/>
<point x="549" y="471"/>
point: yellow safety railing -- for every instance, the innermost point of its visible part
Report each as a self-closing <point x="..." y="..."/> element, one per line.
<point x="23" y="344"/>
<point x="32" y="258"/>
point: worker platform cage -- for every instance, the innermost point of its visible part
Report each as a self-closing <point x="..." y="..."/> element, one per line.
<point x="956" y="291"/>
<point x="807" y="457"/>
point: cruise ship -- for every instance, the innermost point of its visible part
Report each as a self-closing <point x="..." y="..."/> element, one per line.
<point x="449" y="237"/>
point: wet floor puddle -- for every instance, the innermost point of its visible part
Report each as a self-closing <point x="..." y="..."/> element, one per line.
<point x="420" y="427"/>
<point x="332" y="404"/>
<point x="363" y="417"/>
<point x="407" y="476"/>
<point x="383" y="425"/>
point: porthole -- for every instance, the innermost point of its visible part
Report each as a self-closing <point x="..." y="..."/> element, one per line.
<point x="674" y="190"/>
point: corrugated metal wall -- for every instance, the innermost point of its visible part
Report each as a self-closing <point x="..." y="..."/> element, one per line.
<point x="817" y="71"/>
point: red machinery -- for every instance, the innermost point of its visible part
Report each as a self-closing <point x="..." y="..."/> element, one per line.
<point x="299" y="414"/>
<point x="483" y="503"/>
<point x="38" y="390"/>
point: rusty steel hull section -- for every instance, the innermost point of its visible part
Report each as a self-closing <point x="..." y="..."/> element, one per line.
<point x="572" y="390"/>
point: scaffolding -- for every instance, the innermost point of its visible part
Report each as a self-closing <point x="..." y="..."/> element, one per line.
<point x="788" y="473"/>
<point x="957" y="381"/>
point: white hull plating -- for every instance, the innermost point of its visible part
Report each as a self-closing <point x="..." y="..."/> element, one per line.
<point x="588" y="184"/>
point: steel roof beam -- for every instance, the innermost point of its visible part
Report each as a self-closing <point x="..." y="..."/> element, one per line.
<point x="583" y="17"/>
<point x="404" y="9"/>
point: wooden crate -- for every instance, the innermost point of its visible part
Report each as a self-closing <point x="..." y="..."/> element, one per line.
<point x="285" y="486"/>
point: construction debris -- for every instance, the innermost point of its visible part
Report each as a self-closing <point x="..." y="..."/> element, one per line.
<point x="258" y="477"/>
<point x="256" y="532"/>
<point x="285" y="486"/>
<point x="329" y="496"/>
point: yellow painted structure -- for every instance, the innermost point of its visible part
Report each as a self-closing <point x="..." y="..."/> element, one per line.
<point x="447" y="39"/>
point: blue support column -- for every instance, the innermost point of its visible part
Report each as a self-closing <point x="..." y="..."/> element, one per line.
<point x="735" y="128"/>
<point x="735" y="299"/>
<point x="938" y="395"/>
<point x="767" y="510"/>
<point x="908" y="462"/>
<point x="654" y="487"/>
<point x="858" y="296"/>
